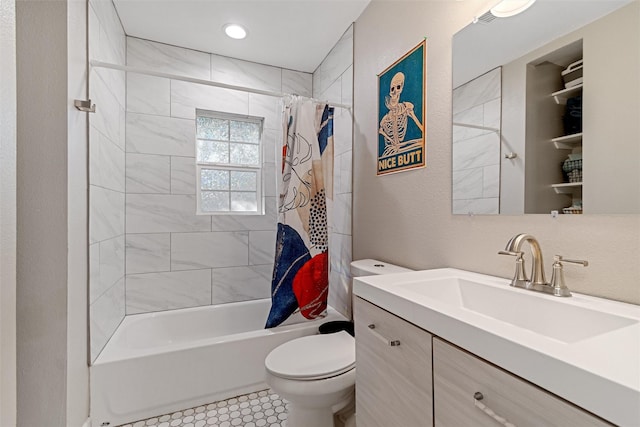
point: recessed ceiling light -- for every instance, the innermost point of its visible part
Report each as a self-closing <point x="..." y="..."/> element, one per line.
<point x="235" y="31"/>
<point x="507" y="8"/>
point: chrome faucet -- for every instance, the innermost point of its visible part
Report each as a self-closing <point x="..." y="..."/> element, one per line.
<point x="538" y="281"/>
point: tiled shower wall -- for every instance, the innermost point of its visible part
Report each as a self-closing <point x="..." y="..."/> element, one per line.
<point x="333" y="81"/>
<point x="106" y="175"/>
<point x="476" y="152"/>
<point x="175" y="258"/>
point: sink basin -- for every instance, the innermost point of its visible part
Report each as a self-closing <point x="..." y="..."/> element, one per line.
<point x="543" y="315"/>
<point x="582" y="348"/>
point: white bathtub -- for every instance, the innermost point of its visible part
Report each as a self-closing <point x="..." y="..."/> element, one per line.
<point x="157" y="363"/>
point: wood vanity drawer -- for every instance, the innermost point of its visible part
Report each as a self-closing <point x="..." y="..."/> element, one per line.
<point x="393" y="382"/>
<point x="458" y="375"/>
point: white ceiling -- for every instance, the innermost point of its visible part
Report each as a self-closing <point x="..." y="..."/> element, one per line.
<point x="293" y="34"/>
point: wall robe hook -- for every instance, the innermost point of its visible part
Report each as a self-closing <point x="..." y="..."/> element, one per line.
<point x="510" y="156"/>
<point x="85" y="106"/>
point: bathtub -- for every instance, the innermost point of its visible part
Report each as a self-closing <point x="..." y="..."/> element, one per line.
<point x="157" y="363"/>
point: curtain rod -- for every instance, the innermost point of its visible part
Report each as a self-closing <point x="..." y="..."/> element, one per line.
<point x="136" y="70"/>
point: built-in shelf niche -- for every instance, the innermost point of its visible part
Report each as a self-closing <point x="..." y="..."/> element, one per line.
<point x="547" y="145"/>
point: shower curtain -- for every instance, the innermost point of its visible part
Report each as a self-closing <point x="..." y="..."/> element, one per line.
<point x="301" y="269"/>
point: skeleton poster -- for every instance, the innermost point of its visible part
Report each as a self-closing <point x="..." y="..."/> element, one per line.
<point x="401" y="113"/>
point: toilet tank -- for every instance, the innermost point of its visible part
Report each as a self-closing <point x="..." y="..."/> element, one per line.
<point x="372" y="267"/>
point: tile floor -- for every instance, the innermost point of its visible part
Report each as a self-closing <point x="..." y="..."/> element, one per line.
<point x="258" y="409"/>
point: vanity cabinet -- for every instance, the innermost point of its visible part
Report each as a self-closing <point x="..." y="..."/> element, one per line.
<point x="460" y="379"/>
<point x="393" y="370"/>
<point x="405" y="376"/>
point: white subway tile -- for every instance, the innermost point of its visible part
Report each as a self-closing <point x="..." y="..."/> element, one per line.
<point x="491" y="181"/>
<point x="476" y="206"/>
<point x="267" y="107"/>
<point x="167" y="59"/>
<point x="105" y="315"/>
<point x="235" y="284"/>
<point x="342" y="213"/>
<point x="148" y="94"/>
<point x="467" y="184"/>
<point x="160" y="135"/>
<point x="345" y="172"/>
<point x="191" y="251"/>
<point x="167" y="291"/>
<point x="483" y="150"/>
<point x="347" y="87"/>
<point x="183" y="175"/>
<point x="265" y="222"/>
<point x="110" y="266"/>
<point x="148" y="173"/>
<point x="106" y="214"/>
<point x="106" y="162"/>
<point x="478" y="91"/>
<point x="336" y="63"/>
<point x="262" y="247"/>
<point x="159" y="213"/>
<point x="247" y="74"/>
<point x="148" y="253"/>
<point x="106" y="119"/>
<point x="297" y="82"/>
<point x="187" y="97"/>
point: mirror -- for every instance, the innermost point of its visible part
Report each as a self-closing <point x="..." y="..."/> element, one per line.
<point x="539" y="94"/>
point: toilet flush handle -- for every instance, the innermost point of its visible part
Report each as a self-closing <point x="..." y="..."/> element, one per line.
<point x="392" y="343"/>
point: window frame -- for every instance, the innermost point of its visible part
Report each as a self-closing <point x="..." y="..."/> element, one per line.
<point x="259" y="168"/>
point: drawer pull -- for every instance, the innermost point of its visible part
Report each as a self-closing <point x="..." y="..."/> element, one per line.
<point x="392" y="343"/>
<point x="477" y="397"/>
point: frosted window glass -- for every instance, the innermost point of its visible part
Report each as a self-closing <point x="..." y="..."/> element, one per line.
<point x="211" y="179"/>
<point x="244" y="181"/>
<point x="243" y="202"/>
<point x="215" y="201"/>
<point x="245" y="132"/>
<point x="213" y="151"/>
<point x="245" y="154"/>
<point x="210" y="128"/>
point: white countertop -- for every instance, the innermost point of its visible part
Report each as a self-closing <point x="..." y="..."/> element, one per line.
<point x="599" y="373"/>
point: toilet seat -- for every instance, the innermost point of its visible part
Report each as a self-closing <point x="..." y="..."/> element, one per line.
<point x="313" y="357"/>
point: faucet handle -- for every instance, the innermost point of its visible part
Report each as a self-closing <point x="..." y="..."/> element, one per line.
<point x="561" y="259"/>
<point x="557" y="276"/>
<point x="520" y="277"/>
<point x="517" y="254"/>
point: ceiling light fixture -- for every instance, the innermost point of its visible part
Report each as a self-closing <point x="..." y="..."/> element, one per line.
<point x="507" y="8"/>
<point x="235" y="31"/>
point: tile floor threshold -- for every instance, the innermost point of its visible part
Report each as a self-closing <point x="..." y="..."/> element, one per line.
<point x="258" y="409"/>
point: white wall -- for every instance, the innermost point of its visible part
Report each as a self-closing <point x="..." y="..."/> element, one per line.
<point x="7" y="214"/>
<point x="406" y="218"/>
<point x="77" y="369"/>
<point x="333" y="82"/>
<point x="175" y="258"/>
<point x="52" y="380"/>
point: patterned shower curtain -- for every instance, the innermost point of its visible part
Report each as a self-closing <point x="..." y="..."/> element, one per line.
<point x="301" y="270"/>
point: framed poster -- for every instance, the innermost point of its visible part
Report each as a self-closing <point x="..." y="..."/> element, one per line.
<point x="401" y="113"/>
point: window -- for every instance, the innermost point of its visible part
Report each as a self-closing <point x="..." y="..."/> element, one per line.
<point x="229" y="163"/>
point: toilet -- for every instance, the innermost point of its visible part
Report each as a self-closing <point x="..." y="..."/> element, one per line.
<point x="316" y="373"/>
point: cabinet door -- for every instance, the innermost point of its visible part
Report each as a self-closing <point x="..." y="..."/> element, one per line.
<point x="458" y="375"/>
<point x="393" y="383"/>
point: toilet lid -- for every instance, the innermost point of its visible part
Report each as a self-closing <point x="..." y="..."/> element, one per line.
<point x="313" y="357"/>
